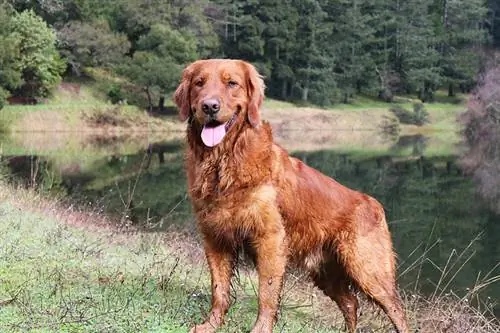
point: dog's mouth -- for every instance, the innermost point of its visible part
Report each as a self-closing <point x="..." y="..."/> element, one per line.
<point x="214" y="131"/>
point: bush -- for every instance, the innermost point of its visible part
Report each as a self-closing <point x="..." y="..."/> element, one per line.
<point x="115" y="94"/>
<point x="390" y="127"/>
<point x="107" y="117"/>
<point x="418" y="117"/>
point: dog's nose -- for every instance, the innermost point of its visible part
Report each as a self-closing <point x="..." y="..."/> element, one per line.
<point x="211" y="106"/>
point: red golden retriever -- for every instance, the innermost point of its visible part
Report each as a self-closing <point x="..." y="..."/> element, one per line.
<point x="247" y="191"/>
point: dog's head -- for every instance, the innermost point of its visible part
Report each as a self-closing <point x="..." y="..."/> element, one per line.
<point x="218" y="92"/>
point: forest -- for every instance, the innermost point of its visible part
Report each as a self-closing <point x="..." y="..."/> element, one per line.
<point x="311" y="51"/>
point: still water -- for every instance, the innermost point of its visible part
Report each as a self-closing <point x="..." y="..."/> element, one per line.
<point x="445" y="233"/>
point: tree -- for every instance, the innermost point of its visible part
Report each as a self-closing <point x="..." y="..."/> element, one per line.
<point x="460" y="33"/>
<point x="10" y="74"/>
<point x="280" y="33"/>
<point x="91" y="44"/>
<point x="159" y="60"/>
<point x="494" y="21"/>
<point x="481" y="133"/>
<point x="38" y="59"/>
<point x="352" y="31"/>
<point x="416" y="57"/>
<point x="313" y="63"/>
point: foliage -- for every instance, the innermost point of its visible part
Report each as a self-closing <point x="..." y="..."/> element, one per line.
<point x="91" y="44"/>
<point x="115" y="94"/>
<point x="316" y="51"/>
<point x="10" y="74"/>
<point x="38" y="60"/>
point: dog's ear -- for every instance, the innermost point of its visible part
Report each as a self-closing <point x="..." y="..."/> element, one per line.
<point x="256" y="87"/>
<point x="181" y="95"/>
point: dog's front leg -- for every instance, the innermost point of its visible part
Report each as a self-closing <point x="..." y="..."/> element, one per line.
<point x="220" y="261"/>
<point x="271" y="261"/>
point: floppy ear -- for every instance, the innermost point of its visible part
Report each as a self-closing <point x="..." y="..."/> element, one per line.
<point x="255" y="92"/>
<point x="181" y="95"/>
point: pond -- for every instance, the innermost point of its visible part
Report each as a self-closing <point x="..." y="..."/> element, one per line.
<point x="446" y="235"/>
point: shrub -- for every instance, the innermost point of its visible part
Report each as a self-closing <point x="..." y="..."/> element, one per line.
<point x="107" y="117"/>
<point x="390" y="127"/>
<point x="115" y="94"/>
<point x="418" y="117"/>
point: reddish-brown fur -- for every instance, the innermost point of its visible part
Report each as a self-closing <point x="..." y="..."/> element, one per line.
<point x="248" y="190"/>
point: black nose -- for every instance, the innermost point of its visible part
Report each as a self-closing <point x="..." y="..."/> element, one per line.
<point x="211" y="106"/>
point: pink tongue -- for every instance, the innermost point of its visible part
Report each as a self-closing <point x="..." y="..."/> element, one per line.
<point x="212" y="136"/>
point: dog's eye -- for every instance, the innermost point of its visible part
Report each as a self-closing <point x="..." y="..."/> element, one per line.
<point x="232" y="84"/>
<point x="199" y="83"/>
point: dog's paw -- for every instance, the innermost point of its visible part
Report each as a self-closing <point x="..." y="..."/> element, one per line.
<point x="203" y="328"/>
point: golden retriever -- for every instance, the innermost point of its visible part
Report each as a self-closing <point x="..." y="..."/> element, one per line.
<point x="247" y="191"/>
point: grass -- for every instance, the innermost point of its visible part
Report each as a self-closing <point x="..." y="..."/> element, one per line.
<point x="443" y="111"/>
<point x="64" y="269"/>
<point x="70" y="110"/>
<point x="61" y="274"/>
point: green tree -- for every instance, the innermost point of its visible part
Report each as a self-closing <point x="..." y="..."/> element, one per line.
<point x="416" y="56"/>
<point x="91" y="44"/>
<point x="159" y="59"/>
<point x="280" y="34"/>
<point x="352" y="31"/>
<point x="38" y="59"/>
<point x="460" y="32"/>
<point x="313" y="61"/>
<point x="10" y="74"/>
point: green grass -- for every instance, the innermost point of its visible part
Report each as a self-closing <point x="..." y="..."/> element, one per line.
<point x="59" y="275"/>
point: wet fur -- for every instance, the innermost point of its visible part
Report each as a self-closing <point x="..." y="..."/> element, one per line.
<point x="248" y="190"/>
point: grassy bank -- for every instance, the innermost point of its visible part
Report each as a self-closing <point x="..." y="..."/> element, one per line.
<point x="86" y="109"/>
<point x="71" y="270"/>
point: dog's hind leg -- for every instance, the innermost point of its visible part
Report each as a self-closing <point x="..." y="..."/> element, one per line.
<point x="369" y="262"/>
<point x="336" y="285"/>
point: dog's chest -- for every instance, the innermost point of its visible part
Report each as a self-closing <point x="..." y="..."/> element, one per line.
<point x="223" y="178"/>
<point x="213" y="180"/>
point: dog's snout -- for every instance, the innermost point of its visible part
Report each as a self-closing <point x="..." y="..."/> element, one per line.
<point x="211" y="106"/>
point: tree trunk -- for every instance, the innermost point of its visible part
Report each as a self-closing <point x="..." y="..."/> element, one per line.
<point x="451" y="91"/>
<point x="161" y="104"/>
<point x="150" y="103"/>
<point x="305" y="94"/>
<point x="462" y="88"/>
<point x="422" y="93"/>
<point x="284" y="90"/>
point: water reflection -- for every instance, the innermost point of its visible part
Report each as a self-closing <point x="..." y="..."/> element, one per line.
<point x="437" y="218"/>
